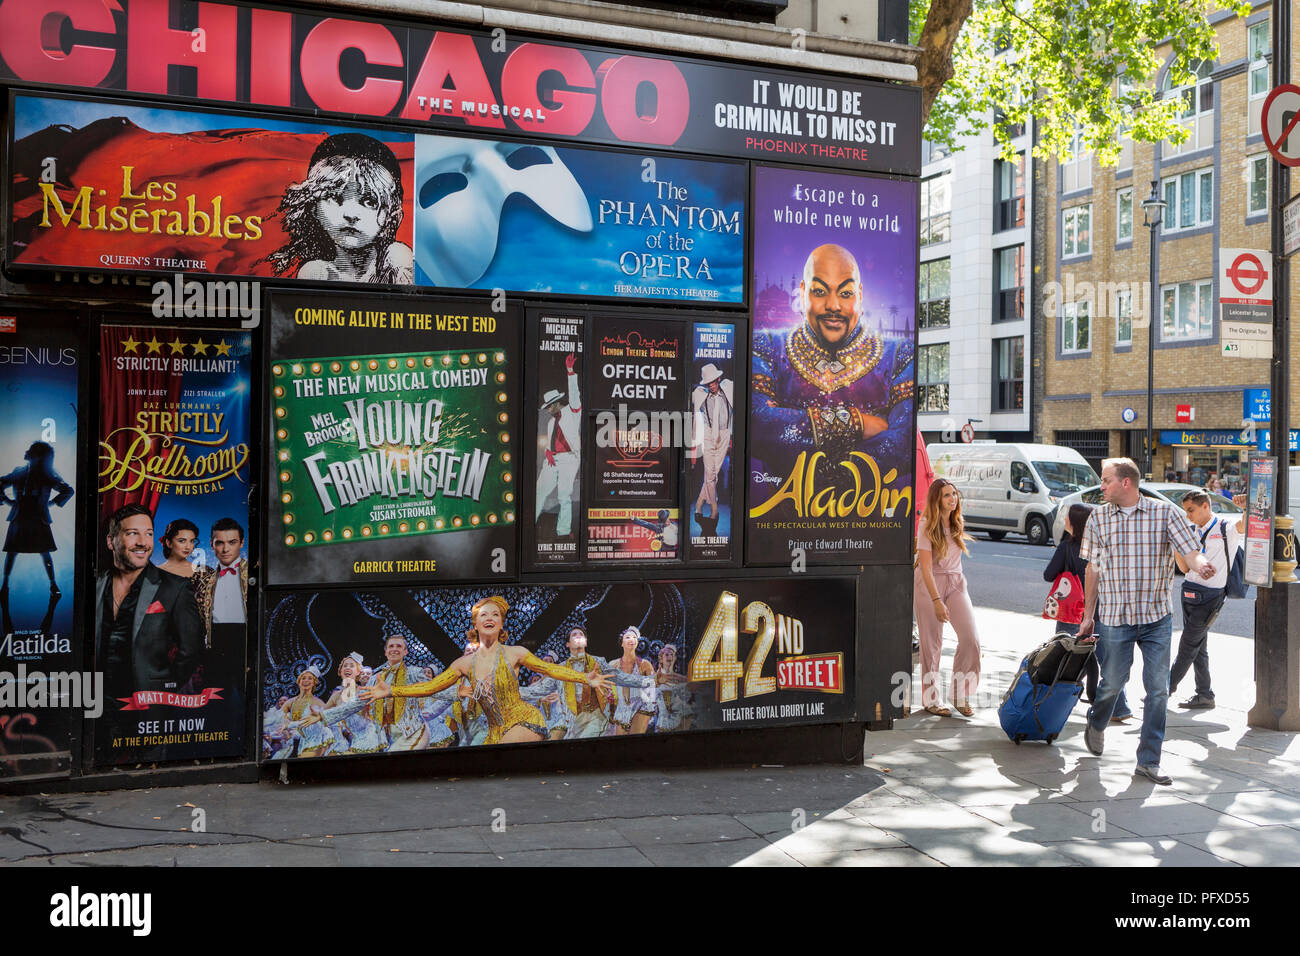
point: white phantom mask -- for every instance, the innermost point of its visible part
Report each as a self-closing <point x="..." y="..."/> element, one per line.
<point x="461" y="187"/>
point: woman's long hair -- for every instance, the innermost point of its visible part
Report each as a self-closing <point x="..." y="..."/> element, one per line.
<point x="1078" y="517"/>
<point x="934" y="524"/>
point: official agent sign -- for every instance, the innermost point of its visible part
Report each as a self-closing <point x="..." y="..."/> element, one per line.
<point x="460" y="80"/>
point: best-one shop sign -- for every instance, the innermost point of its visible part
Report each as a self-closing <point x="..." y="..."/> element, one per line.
<point x="457" y="79"/>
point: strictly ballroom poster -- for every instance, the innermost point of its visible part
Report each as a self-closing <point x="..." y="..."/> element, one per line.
<point x="832" y="417"/>
<point x="174" y="440"/>
<point x="395" y="436"/>
<point x="676" y="656"/>
<point x="39" y="368"/>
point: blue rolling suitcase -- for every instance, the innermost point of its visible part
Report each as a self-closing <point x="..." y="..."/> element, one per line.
<point x="1045" y="690"/>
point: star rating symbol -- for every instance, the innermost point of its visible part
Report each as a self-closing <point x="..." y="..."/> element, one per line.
<point x="177" y="346"/>
<point x="201" y="347"/>
<point x="154" y="346"/>
<point x="129" y="344"/>
<point x="223" y="348"/>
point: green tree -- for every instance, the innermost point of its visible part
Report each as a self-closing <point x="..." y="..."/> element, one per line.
<point x="1085" y="64"/>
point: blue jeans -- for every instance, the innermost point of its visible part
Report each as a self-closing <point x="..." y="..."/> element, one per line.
<point x="1115" y="645"/>
<point x="1122" y="709"/>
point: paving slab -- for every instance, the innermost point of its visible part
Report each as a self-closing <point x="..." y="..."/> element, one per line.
<point x="1262" y="808"/>
<point x="1256" y="846"/>
<point x="553" y="836"/>
<point x="1161" y="814"/>
<point x="688" y="828"/>
<point x="1050" y="822"/>
<point x="1160" y="851"/>
<point x="731" y="853"/>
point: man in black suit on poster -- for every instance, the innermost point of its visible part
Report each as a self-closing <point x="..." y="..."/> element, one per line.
<point x="147" y="623"/>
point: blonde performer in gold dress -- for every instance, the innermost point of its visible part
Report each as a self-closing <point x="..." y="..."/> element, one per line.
<point x="493" y="674"/>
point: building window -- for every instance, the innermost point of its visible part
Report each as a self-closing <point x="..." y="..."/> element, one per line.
<point x="1123" y="317"/>
<point x="1257" y="197"/>
<point x="1076" y="321"/>
<point x="1190" y="198"/>
<point x="1076" y="231"/>
<point x="1012" y="130"/>
<point x="1077" y="172"/>
<point x="1124" y="215"/>
<point x="934" y="285"/>
<point x="1187" y="312"/>
<point x="1259" y="48"/>
<point x="1008" y="375"/>
<point x="936" y="209"/>
<point x="1009" y="300"/>
<point x="1009" y="193"/>
<point x="1196" y="111"/>
<point x="932" y="152"/>
<point x="932" y="377"/>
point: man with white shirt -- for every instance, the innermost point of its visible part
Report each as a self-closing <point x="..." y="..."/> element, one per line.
<point x="1203" y="599"/>
<point x="223" y="601"/>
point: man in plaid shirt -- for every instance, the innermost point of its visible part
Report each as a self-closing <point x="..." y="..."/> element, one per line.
<point x="1129" y="543"/>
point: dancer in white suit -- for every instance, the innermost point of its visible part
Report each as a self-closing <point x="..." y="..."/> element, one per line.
<point x="563" y="452"/>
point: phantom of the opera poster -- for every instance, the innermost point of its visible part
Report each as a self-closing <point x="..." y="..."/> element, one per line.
<point x="831" y="376"/>
<point x="395" y="437"/>
<point x="174" y="542"/>
<point x="352" y="673"/>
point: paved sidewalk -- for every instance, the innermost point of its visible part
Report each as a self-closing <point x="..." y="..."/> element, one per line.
<point x="933" y="791"/>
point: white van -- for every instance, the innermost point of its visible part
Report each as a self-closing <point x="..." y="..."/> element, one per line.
<point x="1011" y="487"/>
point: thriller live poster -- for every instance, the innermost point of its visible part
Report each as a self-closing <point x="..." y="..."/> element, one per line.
<point x="38" y="476"/>
<point x="831" y="377"/>
<point x="675" y="657"/>
<point x="171" y="599"/>
<point x="395" y="436"/>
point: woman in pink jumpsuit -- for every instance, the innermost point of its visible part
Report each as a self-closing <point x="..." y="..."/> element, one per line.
<point x="939" y="597"/>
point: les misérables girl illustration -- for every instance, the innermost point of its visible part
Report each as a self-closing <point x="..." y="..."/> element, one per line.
<point x="342" y="220"/>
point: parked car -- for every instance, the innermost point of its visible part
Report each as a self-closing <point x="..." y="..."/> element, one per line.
<point x="1011" y="487"/>
<point x="1172" y="492"/>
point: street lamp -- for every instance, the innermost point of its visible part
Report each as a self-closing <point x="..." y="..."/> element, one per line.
<point x="1153" y="210"/>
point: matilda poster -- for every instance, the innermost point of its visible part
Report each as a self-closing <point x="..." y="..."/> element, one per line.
<point x="831" y="431"/>
<point x="709" y="459"/>
<point x="639" y="433"/>
<point x="171" y="598"/>
<point x="506" y="215"/>
<point x="105" y="186"/>
<point x="394" y="670"/>
<point x="557" y="495"/>
<point x="395" y="436"/>
<point x="38" y="475"/>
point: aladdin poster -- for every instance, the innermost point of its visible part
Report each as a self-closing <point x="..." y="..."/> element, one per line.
<point x="171" y="598"/>
<point x="396" y="439"/>
<point x="709" y="460"/>
<point x="832" y="420"/>
<point x="554" y="533"/>
<point x="39" y="367"/>
<point x="396" y="670"/>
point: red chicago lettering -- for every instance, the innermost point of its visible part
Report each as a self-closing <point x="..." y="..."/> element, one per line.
<point x="152" y="46"/>
<point x="320" y="66"/>
<point x="621" y="78"/>
<point x="29" y="41"/>
<point x="519" y="81"/>
<point x="270" y="72"/>
<point x="453" y="56"/>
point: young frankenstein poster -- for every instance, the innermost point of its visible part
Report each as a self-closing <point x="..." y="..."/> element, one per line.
<point x="363" y="672"/>
<point x="831" y="425"/>
<point x="171" y="596"/>
<point x="38" y="476"/>
<point x="395" y="436"/>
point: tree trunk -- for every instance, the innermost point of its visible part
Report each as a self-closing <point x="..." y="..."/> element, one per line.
<point x="942" y="26"/>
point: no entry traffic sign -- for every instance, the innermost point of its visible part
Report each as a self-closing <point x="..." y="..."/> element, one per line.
<point x="1280" y="123"/>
